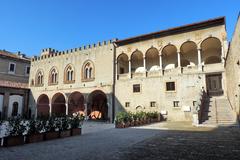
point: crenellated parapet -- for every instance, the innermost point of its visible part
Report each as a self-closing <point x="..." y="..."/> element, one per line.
<point x="49" y="52"/>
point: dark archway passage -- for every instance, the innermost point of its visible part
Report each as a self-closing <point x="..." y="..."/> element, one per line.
<point x="76" y="103"/>
<point x="43" y="106"/>
<point x="58" y="105"/>
<point x="97" y="105"/>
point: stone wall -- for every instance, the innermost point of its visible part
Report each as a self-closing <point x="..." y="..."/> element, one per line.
<point x="101" y="55"/>
<point x="233" y="69"/>
<point x="20" y="72"/>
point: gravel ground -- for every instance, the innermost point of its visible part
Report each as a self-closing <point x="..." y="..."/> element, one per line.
<point x="157" y="141"/>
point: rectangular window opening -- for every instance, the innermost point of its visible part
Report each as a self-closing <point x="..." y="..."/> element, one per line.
<point x="153" y="104"/>
<point x="175" y="103"/>
<point x="136" y="88"/>
<point x="12" y="67"/>
<point x="170" y="86"/>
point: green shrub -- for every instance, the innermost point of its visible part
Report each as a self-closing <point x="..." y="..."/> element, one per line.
<point x="16" y="126"/>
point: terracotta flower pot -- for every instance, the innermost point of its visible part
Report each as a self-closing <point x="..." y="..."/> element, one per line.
<point x="65" y="133"/>
<point x="51" y="135"/>
<point x="119" y="125"/>
<point x="76" y="131"/>
<point x="13" y="141"/>
<point x="132" y="123"/>
<point x="37" y="137"/>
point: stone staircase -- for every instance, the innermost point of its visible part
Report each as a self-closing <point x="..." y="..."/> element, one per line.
<point x="218" y="112"/>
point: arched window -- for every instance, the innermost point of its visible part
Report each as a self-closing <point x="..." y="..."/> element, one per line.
<point x="15" y="109"/>
<point x="39" y="78"/>
<point x="88" y="71"/>
<point x="69" y="74"/>
<point x="53" y="77"/>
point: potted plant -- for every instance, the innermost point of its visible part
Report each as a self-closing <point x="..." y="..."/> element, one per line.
<point x="122" y="120"/>
<point x="16" y="128"/>
<point x="135" y="119"/>
<point x="35" y="130"/>
<point x="154" y="116"/>
<point x="52" y="132"/>
<point x="65" y="130"/>
<point x="76" y="122"/>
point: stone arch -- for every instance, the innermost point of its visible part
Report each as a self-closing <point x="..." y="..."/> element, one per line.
<point x="76" y="103"/>
<point x="97" y="105"/>
<point x="211" y="47"/>
<point x="136" y="61"/>
<point x="69" y="74"/>
<point x="169" y="56"/>
<point x="139" y="108"/>
<point x="189" y="54"/>
<point x="43" y="106"/>
<point x="122" y="64"/>
<point x="58" y="104"/>
<point x="88" y="70"/>
<point x="53" y="75"/>
<point x="152" y="59"/>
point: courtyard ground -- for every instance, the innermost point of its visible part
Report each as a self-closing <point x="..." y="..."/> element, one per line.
<point x="165" y="140"/>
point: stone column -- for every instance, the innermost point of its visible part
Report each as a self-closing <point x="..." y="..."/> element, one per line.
<point x="116" y="70"/>
<point x="50" y="109"/>
<point x="66" y="104"/>
<point x="129" y="68"/>
<point x="144" y="63"/>
<point x="222" y="54"/>
<point x="160" y="61"/>
<point x="179" y="59"/>
<point x="199" y="59"/>
<point x="85" y="111"/>
<point x="5" y="104"/>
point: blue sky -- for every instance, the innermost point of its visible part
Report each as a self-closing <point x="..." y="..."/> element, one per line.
<point x="31" y="25"/>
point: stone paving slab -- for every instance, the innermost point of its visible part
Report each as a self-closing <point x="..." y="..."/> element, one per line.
<point x="171" y="140"/>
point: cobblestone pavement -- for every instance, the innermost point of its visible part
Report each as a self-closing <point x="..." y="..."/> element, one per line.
<point x="187" y="143"/>
<point x="157" y="141"/>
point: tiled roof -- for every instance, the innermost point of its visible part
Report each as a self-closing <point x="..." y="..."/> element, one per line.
<point x="4" y="83"/>
<point x="172" y="31"/>
<point x="12" y="55"/>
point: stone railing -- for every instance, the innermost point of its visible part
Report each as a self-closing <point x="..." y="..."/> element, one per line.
<point x="154" y="73"/>
<point x="173" y="71"/>
<point x="213" y="67"/>
<point x="123" y="76"/>
<point x="198" y="108"/>
<point x="190" y="69"/>
<point x="138" y="75"/>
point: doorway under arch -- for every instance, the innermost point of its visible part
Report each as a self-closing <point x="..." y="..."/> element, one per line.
<point x="97" y="105"/>
<point x="76" y="103"/>
<point x="58" y="105"/>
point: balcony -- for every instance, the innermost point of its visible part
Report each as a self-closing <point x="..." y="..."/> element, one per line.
<point x="216" y="67"/>
<point x="139" y="75"/>
<point x="123" y="76"/>
<point x="189" y="69"/>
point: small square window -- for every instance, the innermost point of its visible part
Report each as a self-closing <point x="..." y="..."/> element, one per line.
<point x="127" y="104"/>
<point x="12" y="67"/>
<point x="136" y="88"/>
<point x="153" y="104"/>
<point x="170" y="86"/>
<point x="175" y="103"/>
